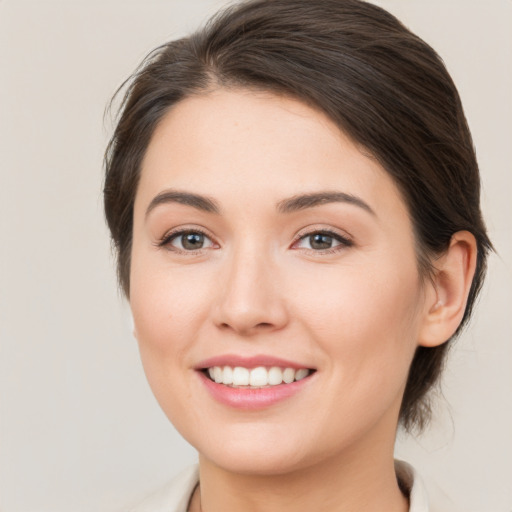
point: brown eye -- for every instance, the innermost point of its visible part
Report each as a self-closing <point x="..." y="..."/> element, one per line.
<point x="188" y="241"/>
<point x="320" y="241"/>
<point x="191" y="241"/>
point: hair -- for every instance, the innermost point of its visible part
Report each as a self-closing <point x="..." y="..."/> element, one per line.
<point x="381" y="84"/>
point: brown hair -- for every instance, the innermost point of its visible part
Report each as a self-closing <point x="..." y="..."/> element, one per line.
<point x="383" y="86"/>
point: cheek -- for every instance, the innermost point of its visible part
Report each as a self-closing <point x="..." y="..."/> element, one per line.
<point x="366" y="326"/>
<point x="365" y="318"/>
<point x="167" y="301"/>
<point x="168" y="305"/>
<point x="166" y="312"/>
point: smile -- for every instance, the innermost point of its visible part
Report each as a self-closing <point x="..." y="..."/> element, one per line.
<point x="255" y="378"/>
<point x="254" y="382"/>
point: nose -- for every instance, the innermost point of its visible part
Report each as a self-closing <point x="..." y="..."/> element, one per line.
<point x="250" y="299"/>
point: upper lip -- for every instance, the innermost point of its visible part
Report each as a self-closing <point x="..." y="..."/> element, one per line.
<point x="234" y="360"/>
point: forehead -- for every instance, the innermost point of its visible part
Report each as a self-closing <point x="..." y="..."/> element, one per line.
<point x="240" y="144"/>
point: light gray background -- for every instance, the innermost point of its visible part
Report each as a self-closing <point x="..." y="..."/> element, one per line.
<point x="79" y="428"/>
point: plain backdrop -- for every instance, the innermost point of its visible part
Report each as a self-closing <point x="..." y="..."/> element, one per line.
<point x="79" y="428"/>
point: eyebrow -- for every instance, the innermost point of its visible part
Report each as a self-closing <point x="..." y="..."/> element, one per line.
<point x="304" y="201"/>
<point x="204" y="203"/>
<point x="290" y="205"/>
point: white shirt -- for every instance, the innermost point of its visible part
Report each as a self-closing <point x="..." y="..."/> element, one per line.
<point x="175" y="496"/>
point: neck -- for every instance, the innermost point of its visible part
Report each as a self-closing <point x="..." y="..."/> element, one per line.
<point x="339" y="484"/>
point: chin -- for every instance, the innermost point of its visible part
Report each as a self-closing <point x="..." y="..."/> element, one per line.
<point x="254" y="462"/>
<point x="256" y="450"/>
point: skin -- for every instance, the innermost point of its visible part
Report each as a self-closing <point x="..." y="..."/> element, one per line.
<point x="355" y="313"/>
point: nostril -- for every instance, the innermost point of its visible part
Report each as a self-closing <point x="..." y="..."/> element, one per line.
<point x="261" y="325"/>
<point x="264" y="324"/>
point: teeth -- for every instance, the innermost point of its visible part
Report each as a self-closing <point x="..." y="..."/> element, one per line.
<point x="275" y="376"/>
<point x="227" y="375"/>
<point x="240" y="376"/>
<point x="301" y="374"/>
<point x="288" y="375"/>
<point x="217" y="374"/>
<point x="256" y="377"/>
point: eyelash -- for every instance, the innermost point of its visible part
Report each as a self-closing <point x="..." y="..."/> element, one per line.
<point x="344" y="242"/>
<point x="166" y="240"/>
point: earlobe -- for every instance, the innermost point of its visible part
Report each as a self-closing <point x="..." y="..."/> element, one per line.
<point x="448" y="290"/>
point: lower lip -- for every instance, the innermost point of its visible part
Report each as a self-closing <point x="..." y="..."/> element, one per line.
<point x="252" y="399"/>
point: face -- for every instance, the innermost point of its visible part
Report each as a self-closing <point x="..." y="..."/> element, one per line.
<point x="274" y="256"/>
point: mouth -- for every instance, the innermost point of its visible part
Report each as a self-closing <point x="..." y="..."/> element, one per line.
<point x="259" y="377"/>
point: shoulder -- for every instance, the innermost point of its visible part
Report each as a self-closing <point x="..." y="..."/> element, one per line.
<point x="174" y="496"/>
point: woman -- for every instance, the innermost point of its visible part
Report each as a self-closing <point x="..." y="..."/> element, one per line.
<point x="294" y="199"/>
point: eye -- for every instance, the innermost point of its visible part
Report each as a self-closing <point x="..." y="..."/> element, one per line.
<point x="322" y="241"/>
<point x="187" y="241"/>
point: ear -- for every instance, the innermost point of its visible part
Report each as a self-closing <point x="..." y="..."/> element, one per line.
<point x="448" y="290"/>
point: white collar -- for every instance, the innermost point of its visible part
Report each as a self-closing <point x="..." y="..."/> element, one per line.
<point x="175" y="496"/>
<point x="413" y="484"/>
